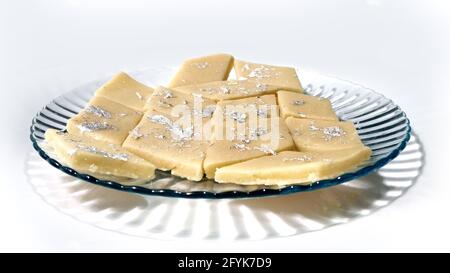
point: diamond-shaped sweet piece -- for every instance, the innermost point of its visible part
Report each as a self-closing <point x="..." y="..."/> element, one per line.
<point x="170" y="102"/>
<point x="203" y="69"/>
<point x="266" y="100"/>
<point x="229" y="90"/>
<point x="248" y="108"/>
<point x="291" y="167"/>
<point x="297" y="105"/>
<point x="322" y="135"/>
<point x="247" y="142"/>
<point x="284" y="77"/>
<point x="239" y="117"/>
<point x="104" y="120"/>
<point x="125" y="90"/>
<point x="87" y="155"/>
<point x="169" y="143"/>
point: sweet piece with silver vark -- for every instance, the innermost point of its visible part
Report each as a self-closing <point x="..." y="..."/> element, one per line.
<point x="125" y="90"/>
<point x="229" y="90"/>
<point x="246" y="142"/>
<point x="291" y="167"/>
<point x="249" y="108"/>
<point x="203" y="69"/>
<point x="167" y="101"/>
<point x="169" y="143"/>
<point x="87" y="155"/>
<point x="105" y="120"/>
<point x="323" y="135"/>
<point x="257" y="129"/>
<point x="266" y="100"/>
<point x="293" y="104"/>
<point x="284" y="77"/>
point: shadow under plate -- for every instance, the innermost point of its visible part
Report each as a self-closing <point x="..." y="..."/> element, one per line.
<point x="229" y="219"/>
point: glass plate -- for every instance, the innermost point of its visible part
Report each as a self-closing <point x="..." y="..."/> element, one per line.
<point x="380" y="123"/>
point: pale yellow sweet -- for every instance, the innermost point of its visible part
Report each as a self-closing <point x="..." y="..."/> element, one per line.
<point x="244" y="115"/>
<point x="323" y="135"/>
<point x="87" y="155"/>
<point x="250" y="108"/>
<point x="203" y="69"/>
<point x="169" y="143"/>
<point x="266" y="100"/>
<point x="284" y="77"/>
<point x="264" y="138"/>
<point x="168" y="101"/>
<point x="203" y="122"/>
<point x="229" y="90"/>
<point x="293" y="104"/>
<point x="291" y="167"/>
<point x="105" y="120"/>
<point x="125" y="90"/>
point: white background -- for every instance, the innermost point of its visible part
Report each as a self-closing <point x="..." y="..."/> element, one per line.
<point x="399" y="48"/>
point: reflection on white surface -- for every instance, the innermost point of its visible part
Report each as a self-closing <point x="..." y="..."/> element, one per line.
<point x="233" y="219"/>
